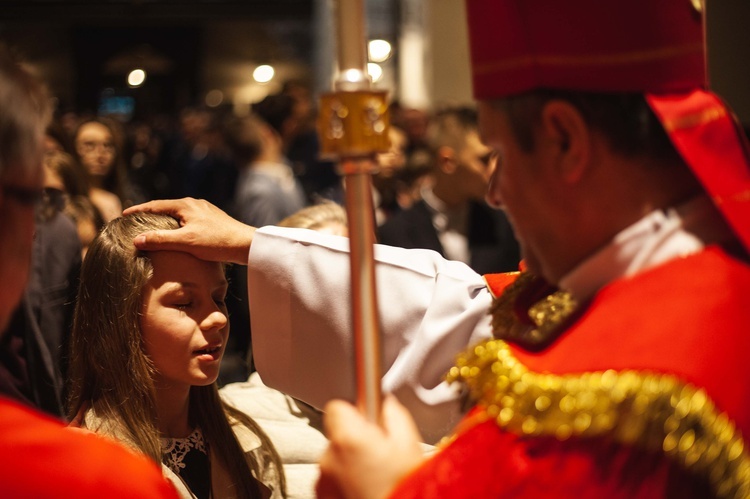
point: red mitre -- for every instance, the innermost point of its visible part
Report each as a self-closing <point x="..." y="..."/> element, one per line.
<point x="653" y="47"/>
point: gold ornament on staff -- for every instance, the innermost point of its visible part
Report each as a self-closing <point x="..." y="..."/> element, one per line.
<point x="353" y="126"/>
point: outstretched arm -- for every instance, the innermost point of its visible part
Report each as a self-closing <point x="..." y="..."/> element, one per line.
<point x="206" y="232"/>
<point x="431" y="309"/>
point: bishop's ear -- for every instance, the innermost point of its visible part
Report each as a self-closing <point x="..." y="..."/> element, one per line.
<point x="569" y="137"/>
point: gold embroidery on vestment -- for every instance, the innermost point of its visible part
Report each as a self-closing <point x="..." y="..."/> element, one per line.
<point x="647" y="410"/>
<point x="542" y="320"/>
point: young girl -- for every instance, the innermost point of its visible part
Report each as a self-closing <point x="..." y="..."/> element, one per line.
<point x="148" y="337"/>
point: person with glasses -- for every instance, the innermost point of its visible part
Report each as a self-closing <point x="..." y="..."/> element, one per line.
<point x="96" y="149"/>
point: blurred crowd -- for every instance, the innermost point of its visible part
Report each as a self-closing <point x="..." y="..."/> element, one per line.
<point x="98" y="165"/>
<point x="262" y="167"/>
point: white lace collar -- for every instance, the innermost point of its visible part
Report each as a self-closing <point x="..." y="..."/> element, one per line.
<point x="174" y="450"/>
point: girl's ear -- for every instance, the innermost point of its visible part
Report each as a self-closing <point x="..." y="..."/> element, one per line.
<point x="569" y="136"/>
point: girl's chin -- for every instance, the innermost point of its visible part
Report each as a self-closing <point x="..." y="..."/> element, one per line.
<point x="207" y="378"/>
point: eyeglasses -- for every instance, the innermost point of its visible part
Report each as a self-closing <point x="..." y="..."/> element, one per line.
<point x="23" y="195"/>
<point x="489" y="159"/>
<point x="91" y="146"/>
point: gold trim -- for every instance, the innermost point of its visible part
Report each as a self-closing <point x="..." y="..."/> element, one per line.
<point x="542" y="315"/>
<point x="648" y="410"/>
<point x="616" y="59"/>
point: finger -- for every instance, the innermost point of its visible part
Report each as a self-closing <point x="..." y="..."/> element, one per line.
<point x="341" y="418"/>
<point x="159" y="240"/>
<point x="398" y="422"/>
<point x="164" y="206"/>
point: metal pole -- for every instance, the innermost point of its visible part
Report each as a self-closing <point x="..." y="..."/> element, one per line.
<point x="353" y="125"/>
<point x="365" y="323"/>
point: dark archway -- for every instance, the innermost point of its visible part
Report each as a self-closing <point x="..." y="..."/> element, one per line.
<point x="168" y="54"/>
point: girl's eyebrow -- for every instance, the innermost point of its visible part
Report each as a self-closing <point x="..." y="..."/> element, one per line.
<point x="177" y="288"/>
<point x="178" y="285"/>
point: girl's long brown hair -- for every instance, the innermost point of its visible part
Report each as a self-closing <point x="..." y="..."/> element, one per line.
<point x="111" y="374"/>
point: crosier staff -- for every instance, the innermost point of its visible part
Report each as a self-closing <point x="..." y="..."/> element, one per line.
<point x="353" y="126"/>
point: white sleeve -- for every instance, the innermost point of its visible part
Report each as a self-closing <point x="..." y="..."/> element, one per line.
<point x="431" y="309"/>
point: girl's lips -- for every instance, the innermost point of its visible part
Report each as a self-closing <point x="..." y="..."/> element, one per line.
<point x="209" y="353"/>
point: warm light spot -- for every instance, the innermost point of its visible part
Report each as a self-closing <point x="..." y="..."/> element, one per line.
<point x="263" y="73"/>
<point x="379" y="50"/>
<point x="214" y="98"/>
<point x="375" y="71"/>
<point x="136" y="77"/>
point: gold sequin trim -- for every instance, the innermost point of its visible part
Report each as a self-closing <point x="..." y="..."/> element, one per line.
<point x="544" y="317"/>
<point x="651" y="411"/>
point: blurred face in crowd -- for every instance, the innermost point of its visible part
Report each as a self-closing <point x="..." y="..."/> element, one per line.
<point x="96" y="148"/>
<point x="389" y="163"/>
<point x="52" y="144"/>
<point x="53" y="179"/>
<point x="475" y="164"/>
<point x="416" y="123"/>
<point x="184" y="323"/>
<point x="19" y="192"/>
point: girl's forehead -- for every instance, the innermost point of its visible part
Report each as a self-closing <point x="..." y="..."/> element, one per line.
<point x="93" y="128"/>
<point x="175" y="266"/>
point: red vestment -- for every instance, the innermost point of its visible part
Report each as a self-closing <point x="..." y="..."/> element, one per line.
<point x="40" y="457"/>
<point x="683" y="321"/>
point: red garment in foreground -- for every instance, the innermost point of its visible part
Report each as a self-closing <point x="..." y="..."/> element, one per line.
<point x="686" y="318"/>
<point x="40" y="457"/>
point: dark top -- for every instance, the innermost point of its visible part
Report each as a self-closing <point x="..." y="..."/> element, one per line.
<point x="492" y="245"/>
<point x="32" y="350"/>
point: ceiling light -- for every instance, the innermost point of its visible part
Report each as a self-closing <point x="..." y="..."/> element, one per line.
<point x="136" y="77"/>
<point x="263" y="73"/>
<point x="379" y="50"/>
<point x="375" y="71"/>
